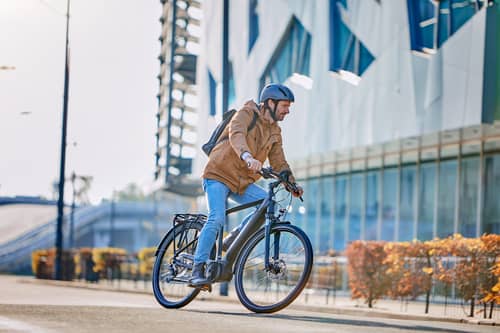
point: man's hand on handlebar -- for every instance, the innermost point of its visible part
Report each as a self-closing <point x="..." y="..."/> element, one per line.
<point x="253" y="164"/>
<point x="297" y="191"/>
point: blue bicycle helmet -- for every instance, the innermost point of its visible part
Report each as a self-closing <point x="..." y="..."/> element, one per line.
<point x="276" y="92"/>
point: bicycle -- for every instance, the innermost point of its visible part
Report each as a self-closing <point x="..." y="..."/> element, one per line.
<point x="270" y="259"/>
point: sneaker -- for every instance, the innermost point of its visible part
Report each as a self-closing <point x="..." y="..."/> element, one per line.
<point x="198" y="278"/>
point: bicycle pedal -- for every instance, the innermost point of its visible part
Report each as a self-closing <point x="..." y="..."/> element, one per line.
<point x="206" y="287"/>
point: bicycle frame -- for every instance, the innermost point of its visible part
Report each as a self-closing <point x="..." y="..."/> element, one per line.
<point x="263" y="214"/>
<point x="242" y="256"/>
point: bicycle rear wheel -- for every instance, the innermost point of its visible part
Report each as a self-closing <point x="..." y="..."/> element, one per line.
<point x="171" y="272"/>
<point x="291" y="260"/>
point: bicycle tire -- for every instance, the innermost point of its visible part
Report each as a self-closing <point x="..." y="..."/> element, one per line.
<point x="165" y="269"/>
<point x="250" y="273"/>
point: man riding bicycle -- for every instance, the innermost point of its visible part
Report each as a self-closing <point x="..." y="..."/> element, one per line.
<point x="233" y="166"/>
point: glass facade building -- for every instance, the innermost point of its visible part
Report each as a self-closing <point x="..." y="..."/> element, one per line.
<point x="422" y="199"/>
<point x="395" y="132"/>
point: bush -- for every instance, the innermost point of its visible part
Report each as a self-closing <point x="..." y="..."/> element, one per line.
<point x="367" y="271"/>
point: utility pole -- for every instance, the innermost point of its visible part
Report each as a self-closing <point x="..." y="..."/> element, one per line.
<point x="60" y="202"/>
<point x="225" y="92"/>
<point x="72" y="218"/>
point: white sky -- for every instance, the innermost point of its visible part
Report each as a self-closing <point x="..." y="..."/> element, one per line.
<point x="112" y="102"/>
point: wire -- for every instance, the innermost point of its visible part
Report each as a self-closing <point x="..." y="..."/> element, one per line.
<point x="54" y="9"/>
<point x="282" y="188"/>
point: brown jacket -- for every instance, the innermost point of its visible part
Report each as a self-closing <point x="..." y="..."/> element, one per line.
<point x="263" y="141"/>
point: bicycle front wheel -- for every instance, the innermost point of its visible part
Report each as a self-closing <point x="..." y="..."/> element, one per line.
<point x="172" y="269"/>
<point x="266" y="290"/>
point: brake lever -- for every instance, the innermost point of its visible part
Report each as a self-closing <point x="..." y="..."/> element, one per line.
<point x="294" y="189"/>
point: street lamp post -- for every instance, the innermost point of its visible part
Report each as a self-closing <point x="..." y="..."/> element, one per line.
<point x="225" y="91"/>
<point x="60" y="202"/>
<point x="72" y="218"/>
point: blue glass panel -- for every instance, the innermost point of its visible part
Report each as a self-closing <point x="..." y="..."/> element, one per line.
<point x="469" y="189"/>
<point x="491" y="212"/>
<point x="444" y="21"/>
<point x="406" y="203"/>
<point x="312" y="187"/>
<point x="232" y="91"/>
<point x="372" y="205"/>
<point x="348" y="57"/>
<point x="426" y="13"/>
<point x="297" y="216"/>
<point x="462" y="11"/>
<point x="427" y="181"/>
<point x="346" y="50"/>
<point x="339" y="241"/>
<point x="340" y="36"/>
<point x="253" y="22"/>
<point x="365" y="59"/>
<point x="282" y="68"/>
<point x="212" y="85"/>
<point x="326" y="201"/>
<point x="447" y="15"/>
<point x="355" y="206"/>
<point x="446" y="198"/>
<point x="389" y="206"/>
<point x="292" y="55"/>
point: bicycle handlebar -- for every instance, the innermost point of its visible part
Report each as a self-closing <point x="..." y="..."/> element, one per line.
<point x="282" y="177"/>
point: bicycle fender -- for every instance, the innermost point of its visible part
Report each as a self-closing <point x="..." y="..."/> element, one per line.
<point x="282" y="222"/>
<point x="163" y="240"/>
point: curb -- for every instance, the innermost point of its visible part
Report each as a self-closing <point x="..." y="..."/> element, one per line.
<point x="354" y="311"/>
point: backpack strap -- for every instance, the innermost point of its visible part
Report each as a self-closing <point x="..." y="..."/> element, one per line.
<point x="254" y="121"/>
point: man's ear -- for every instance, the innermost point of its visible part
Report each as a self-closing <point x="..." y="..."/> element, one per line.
<point x="271" y="103"/>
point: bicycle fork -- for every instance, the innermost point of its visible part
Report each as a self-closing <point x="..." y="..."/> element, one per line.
<point x="270" y="220"/>
<point x="276" y="247"/>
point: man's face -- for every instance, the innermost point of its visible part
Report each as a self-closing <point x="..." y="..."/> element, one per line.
<point x="282" y="110"/>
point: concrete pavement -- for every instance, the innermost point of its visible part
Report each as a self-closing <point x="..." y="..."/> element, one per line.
<point x="310" y="300"/>
<point x="43" y="307"/>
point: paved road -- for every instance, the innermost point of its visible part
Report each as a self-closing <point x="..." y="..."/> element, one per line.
<point x="43" y="308"/>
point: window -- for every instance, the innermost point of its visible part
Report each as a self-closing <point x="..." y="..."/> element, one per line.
<point x="433" y="22"/>
<point x="292" y="55"/>
<point x="212" y="86"/>
<point x="326" y="200"/>
<point x="355" y="206"/>
<point x="312" y="186"/>
<point x="340" y="213"/>
<point x="469" y="178"/>
<point x="298" y="211"/>
<point x="446" y="198"/>
<point x="253" y="24"/>
<point x="372" y="205"/>
<point x="406" y="203"/>
<point x="491" y="213"/>
<point x="389" y="205"/>
<point x="347" y="52"/>
<point x="427" y="181"/>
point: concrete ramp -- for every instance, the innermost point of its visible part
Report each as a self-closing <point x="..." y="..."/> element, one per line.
<point x="18" y="219"/>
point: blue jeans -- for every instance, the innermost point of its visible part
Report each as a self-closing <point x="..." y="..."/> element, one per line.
<point x="217" y="194"/>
